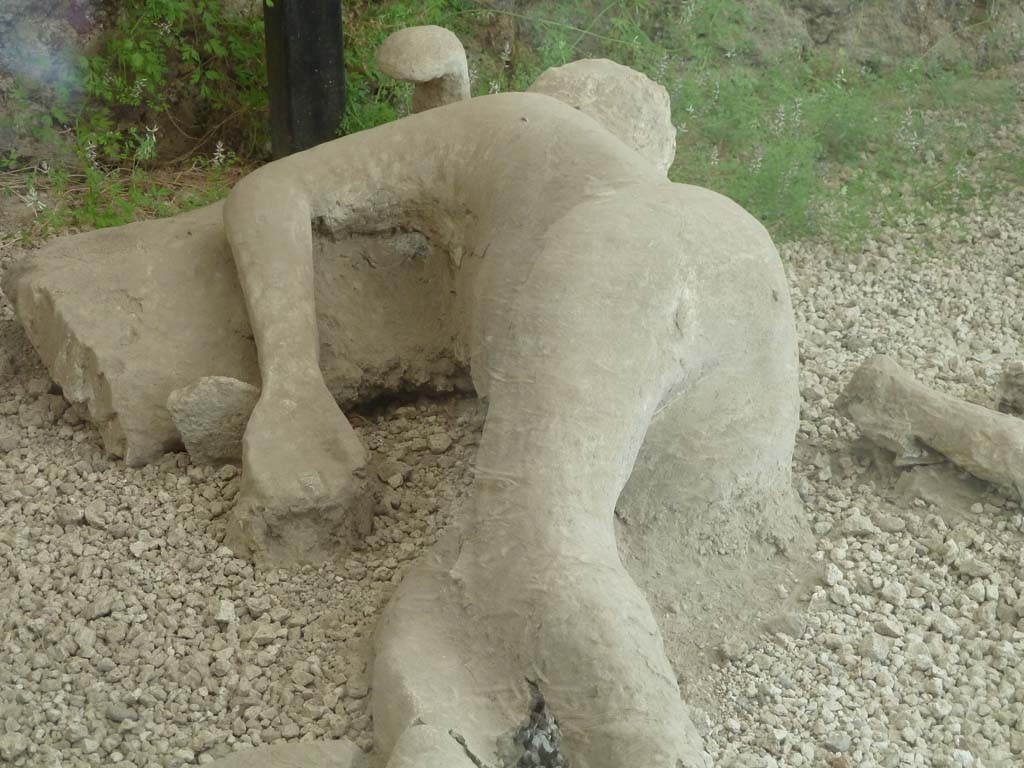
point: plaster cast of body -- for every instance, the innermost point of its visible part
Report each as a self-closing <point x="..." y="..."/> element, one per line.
<point x="598" y="306"/>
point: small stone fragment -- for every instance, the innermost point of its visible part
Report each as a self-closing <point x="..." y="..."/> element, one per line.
<point x="118" y="713"/>
<point x="264" y="634"/>
<point x="211" y="415"/>
<point x="971" y="566"/>
<point x="859" y="524"/>
<point x="944" y="625"/>
<point x="837" y="742"/>
<point x="224" y="613"/>
<point x="840" y="595"/>
<point x="732" y="649"/>
<point x="889" y="627"/>
<point x="874" y="647"/>
<point x="890" y="523"/>
<point x="1010" y="392"/>
<point x="96" y="513"/>
<point x="895" y="593"/>
<point x="832" y="574"/>
<point x="69" y="514"/>
<point x="439" y="443"/>
<point x="138" y="548"/>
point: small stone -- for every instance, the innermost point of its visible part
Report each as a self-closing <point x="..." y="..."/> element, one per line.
<point x="224" y="612"/>
<point x="859" y="524"/>
<point x="50" y="408"/>
<point x="210" y="415"/>
<point x="357" y="691"/>
<point x="68" y="514"/>
<point x="874" y="647"/>
<point x="290" y="731"/>
<point x="439" y="443"/>
<point x="101" y="606"/>
<point x="971" y="566"/>
<point x="889" y="627"/>
<point x="118" y="713"/>
<point x="890" y="523"/>
<point x="895" y="593"/>
<point x="837" y="742"/>
<point x="832" y="574"/>
<point x="85" y="639"/>
<point x="96" y="513"/>
<point x="732" y="649"/>
<point x="840" y="595"/>
<point x="138" y="548"/>
<point x="944" y="625"/>
<point x="264" y="634"/>
<point x="257" y="606"/>
<point x="395" y="481"/>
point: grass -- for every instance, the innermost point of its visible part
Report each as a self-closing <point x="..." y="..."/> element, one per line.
<point x="64" y="201"/>
<point x="813" y="143"/>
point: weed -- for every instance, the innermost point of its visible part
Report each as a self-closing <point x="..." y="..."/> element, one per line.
<point x="161" y="54"/>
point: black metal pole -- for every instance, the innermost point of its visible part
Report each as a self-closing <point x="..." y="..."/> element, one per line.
<point x="306" y="72"/>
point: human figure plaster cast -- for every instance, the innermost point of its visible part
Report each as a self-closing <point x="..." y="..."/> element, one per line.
<point x="582" y="297"/>
<point x="627" y="333"/>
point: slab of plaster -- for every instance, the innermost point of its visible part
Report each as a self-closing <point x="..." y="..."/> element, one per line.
<point x="122" y="317"/>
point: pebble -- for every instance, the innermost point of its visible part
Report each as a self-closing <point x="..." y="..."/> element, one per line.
<point x="860" y="525"/>
<point x="439" y="443"/>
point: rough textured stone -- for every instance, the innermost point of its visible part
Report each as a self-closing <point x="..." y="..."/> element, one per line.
<point x="211" y="415"/>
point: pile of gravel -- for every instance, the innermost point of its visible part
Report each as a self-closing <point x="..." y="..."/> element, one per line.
<point x="913" y="649"/>
<point x="130" y="636"/>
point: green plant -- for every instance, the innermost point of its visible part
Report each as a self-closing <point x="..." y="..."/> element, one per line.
<point x="205" y="56"/>
<point x="96" y="198"/>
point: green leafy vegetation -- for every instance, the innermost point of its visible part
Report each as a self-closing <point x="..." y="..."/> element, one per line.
<point x="811" y="139"/>
<point x="204" y="56"/>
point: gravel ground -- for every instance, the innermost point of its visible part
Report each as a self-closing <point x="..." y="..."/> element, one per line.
<point x="131" y="637"/>
<point x="913" y="651"/>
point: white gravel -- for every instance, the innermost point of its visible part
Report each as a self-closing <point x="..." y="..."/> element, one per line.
<point x="129" y="636"/>
<point x="913" y="653"/>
